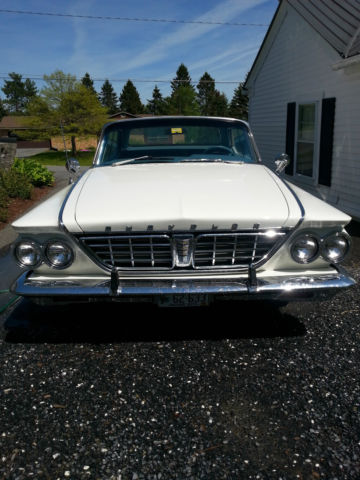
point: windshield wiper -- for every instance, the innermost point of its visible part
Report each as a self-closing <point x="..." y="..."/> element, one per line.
<point x="210" y="160"/>
<point x="135" y="159"/>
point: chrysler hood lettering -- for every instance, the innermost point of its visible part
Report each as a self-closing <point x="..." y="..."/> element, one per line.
<point x="181" y="195"/>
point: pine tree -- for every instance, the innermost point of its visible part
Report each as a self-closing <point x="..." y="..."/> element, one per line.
<point x="130" y="99"/>
<point x="218" y="104"/>
<point x="157" y="105"/>
<point x="182" y="78"/>
<point x="2" y="109"/>
<point x="18" y="93"/>
<point x="183" y="101"/>
<point x="108" y="97"/>
<point x="88" y="83"/>
<point x="239" y="104"/>
<point x="206" y="92"/>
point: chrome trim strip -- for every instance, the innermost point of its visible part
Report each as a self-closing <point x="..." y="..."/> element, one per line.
<point x="283" y="286"/>
<point x="301" y="206"/>
<point x="60" y="218"/>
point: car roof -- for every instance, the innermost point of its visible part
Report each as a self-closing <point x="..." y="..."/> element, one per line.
<point x="161" y="118"/>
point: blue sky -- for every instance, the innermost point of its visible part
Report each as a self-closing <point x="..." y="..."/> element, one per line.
<point x="37" y="45"/>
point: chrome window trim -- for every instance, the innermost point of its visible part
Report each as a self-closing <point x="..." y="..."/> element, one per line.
<point x="160" y="119"/>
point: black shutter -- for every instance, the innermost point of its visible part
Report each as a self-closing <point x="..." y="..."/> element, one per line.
<point x="290" y="136"/>
<point x="326" y="140"/>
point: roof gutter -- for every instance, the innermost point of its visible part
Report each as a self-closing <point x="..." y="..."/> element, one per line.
<point x="347" y="62"/>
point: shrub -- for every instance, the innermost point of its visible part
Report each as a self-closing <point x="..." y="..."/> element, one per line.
<point x="4" y="202"/>
<point x="15" y="183"/>
<point x="37" y="173"/>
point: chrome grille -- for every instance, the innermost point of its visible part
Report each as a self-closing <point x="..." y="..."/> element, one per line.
<point x="233" y="249"/>
<point x="166" y="251"/>
<point x="139" y="252"/>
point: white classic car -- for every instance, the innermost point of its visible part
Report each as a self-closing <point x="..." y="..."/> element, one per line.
<point x="180" y="211"/>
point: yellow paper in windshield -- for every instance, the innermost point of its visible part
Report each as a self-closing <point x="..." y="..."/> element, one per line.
<point x="176" y="130"/>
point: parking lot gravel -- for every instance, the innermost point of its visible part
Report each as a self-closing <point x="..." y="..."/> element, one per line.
<point x="233" y="391"/>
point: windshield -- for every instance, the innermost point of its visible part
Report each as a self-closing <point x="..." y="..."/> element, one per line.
<point x="175" y="140"/>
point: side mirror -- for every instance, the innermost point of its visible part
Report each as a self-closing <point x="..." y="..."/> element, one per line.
<point x="281" y="162"/>
<point x="72" y="166"/>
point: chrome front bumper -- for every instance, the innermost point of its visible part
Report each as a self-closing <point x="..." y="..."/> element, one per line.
<point x="277" y="288"/>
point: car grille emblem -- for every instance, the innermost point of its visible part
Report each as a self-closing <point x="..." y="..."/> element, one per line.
<point x="183" y="250"/>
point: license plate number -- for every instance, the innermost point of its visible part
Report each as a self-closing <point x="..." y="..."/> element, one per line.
<point x="184" y="300"/>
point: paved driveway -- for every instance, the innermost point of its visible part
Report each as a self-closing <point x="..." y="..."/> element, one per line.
<point x="29" y="152"/>
<point x="129" y="392"/>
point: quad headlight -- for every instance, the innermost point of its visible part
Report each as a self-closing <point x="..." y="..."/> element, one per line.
<point x="58" y="254"/>
<point x="55" y="253"/>
<point x="305" y="248"/>
<point x="28" y="254"/>
<point x="335" y="247"/>
<point x="308" y="247"/>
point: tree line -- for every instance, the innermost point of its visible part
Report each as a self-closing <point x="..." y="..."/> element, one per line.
<point x="184" y="98"/>
<point x="72" y="108"/>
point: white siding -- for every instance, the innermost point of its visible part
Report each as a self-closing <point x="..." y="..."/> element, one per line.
<point x="298" y="68"/>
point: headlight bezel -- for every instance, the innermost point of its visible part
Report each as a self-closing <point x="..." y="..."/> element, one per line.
<point x="41" y="248"/>
<point x="36" y="245"/>
<point x="305" y="235"/>
<point x="49" y="262"/>
<point x="347" y="239"/>
<point x="321" y="239"/>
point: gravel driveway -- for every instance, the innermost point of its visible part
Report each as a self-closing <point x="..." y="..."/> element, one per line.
<point x="134" y="392"/>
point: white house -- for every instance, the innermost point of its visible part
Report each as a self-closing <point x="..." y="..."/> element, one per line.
<point x="304" y="97"/>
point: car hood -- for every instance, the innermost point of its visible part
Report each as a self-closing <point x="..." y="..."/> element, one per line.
<point x="179" y="196"/>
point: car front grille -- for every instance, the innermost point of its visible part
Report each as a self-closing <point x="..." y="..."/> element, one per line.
<point x="199" y="251"/>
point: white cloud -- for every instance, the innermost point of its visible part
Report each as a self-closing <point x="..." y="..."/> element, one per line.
<point x="221" y="13"/>
<point x="225" y="58"/>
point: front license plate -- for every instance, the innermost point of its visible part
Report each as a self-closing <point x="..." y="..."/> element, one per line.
<point x="184" y="300"/>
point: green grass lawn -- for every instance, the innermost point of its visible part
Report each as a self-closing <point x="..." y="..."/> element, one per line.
<point x="59" y="158"/>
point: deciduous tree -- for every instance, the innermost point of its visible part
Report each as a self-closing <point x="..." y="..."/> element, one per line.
<point x="56" y="86"/>
<point x="66" y="106"/>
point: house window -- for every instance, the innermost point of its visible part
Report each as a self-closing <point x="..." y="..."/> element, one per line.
<point x="306" y="139"/>
<point x="309" y="140"/>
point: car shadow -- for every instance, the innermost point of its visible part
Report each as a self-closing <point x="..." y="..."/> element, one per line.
<point x="116" y="323"/>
